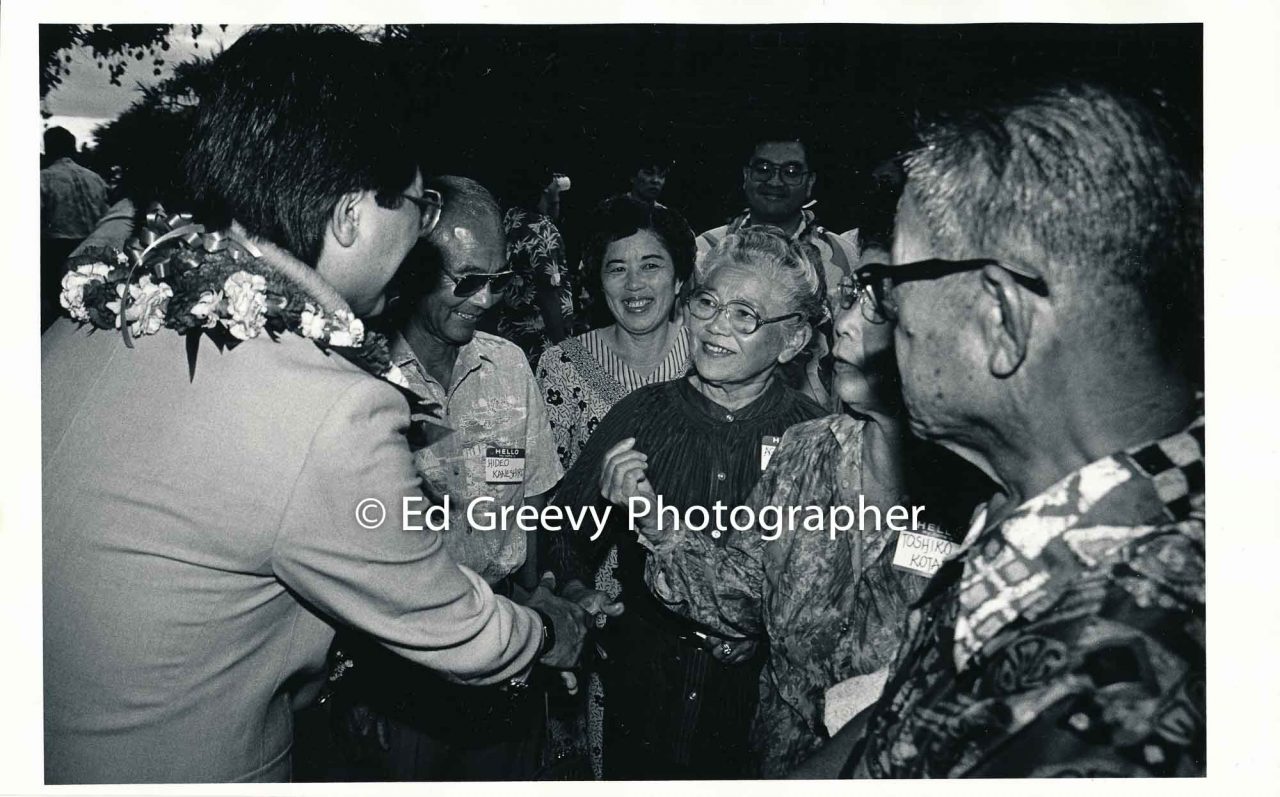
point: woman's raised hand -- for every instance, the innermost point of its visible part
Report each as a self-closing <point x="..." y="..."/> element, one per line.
<point x="623" y="477"/>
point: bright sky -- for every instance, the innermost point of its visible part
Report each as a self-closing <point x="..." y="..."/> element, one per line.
<point x="86" y="98"/>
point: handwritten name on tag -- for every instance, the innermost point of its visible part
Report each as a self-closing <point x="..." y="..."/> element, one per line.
<point x="922" y="552"/>
<point x="768" y="445"/>
<point x="503" y="465"/>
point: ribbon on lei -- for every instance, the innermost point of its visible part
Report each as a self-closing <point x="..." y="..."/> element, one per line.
<point x="160" y="229"/>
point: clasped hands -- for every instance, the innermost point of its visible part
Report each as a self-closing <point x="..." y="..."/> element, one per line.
<point x="623" y="477"/>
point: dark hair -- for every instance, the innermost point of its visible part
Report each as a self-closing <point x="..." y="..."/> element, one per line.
<point x="781" y="135"/>
<point x="1091" y="187"/>
<point x="621" y="217"/>
<point x="59" y="142"/>
<point x="293" y="118"/>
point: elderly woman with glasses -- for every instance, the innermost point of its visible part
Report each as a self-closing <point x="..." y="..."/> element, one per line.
<point x="828" y="599"/>
<point x="681" y="697"/>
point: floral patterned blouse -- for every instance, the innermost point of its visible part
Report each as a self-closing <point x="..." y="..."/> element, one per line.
<point x="582" y="378"/>
<point x="535" y="252"/>
<point x="830" y="608"/>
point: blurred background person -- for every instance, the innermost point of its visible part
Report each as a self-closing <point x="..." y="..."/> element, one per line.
<point x="537" y="309"/>
<point x="72" y="199"/>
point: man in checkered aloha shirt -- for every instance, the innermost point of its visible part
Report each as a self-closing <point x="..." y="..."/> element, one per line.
<point x="1045" y="301"/>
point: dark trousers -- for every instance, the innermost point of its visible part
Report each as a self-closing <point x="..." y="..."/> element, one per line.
<point x="672" y="712"/>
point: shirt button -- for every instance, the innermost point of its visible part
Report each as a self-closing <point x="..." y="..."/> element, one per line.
<point x="729" y="417"/>
<point x="845" y="484"/>
<point x="693" y="695"/>
<point x="720" y="476"/>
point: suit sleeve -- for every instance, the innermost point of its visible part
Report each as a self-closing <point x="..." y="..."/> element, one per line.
<point x="395" y="583"/>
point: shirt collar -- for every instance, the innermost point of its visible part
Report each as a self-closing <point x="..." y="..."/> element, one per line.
<point x="1016" y="568"/>
<point x="471" y="357"/>
<point x="807" y="225"/>
<point x="845" y="429"/>
<point x="765" y="403"/>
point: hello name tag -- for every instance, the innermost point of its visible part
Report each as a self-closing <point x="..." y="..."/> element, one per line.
<point x="922" y="552"/>
<point x="768" y="445"/>
<point x="503" y="465"/>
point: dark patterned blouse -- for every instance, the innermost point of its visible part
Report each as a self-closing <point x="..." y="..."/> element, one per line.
<point x="1068" y="639"/>
<point x="832" y="607"/>
<point x="678" y="708"/>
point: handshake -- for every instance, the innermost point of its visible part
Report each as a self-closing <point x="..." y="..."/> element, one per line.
<point x="573" y="612"/>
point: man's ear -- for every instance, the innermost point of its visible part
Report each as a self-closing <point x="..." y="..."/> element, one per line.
<point x="811" y="179"/>
<point x="1007" y="324"/>
<point x="796" y="340"/>
<point x="345" y="221"/>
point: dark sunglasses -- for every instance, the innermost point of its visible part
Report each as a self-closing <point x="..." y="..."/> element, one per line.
<point x="876" y="281"/>
<point x="472" y="284"/>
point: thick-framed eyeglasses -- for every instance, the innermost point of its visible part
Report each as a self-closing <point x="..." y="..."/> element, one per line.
<point x="704" y="306"/>
<point x="429" y="205"/>
<point x="791" y="173"/>
<point x="471" y="284"/>
<point x="872" y="286"/>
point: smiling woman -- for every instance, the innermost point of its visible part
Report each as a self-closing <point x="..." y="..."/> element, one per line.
<point x="680" y="699"/>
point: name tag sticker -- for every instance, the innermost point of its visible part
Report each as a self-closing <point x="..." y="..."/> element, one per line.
<point x="768" y="445"/>
<point x="503" y="465"/>
<point x="921" y="552"/>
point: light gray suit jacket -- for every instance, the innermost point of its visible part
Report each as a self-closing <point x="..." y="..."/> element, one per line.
<point x="200" y="536"/>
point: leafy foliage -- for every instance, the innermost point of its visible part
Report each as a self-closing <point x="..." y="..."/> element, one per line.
<point x="113" y="47"/>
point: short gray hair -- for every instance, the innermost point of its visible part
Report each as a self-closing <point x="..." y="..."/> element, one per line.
<point x="1095" y="188"/>
<point x="779" y="260"/>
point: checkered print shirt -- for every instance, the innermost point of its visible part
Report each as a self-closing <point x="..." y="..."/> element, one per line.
<point x="1068" y="639"/>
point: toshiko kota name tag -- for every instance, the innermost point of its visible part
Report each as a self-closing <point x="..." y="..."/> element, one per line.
<point x="503" y="465"/>
<point x="922" y="551"/>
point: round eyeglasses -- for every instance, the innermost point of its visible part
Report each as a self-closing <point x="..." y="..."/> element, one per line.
<point x="429" y="206"/>
<point x="791" y="173"/>
<point x="704" y="306"/>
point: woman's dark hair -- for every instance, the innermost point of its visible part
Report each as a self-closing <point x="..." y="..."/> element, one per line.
<point x="621" y="217"/>
<point x="293" y="118"/>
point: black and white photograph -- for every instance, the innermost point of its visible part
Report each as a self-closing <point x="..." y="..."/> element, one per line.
<point x="813" y="394"/>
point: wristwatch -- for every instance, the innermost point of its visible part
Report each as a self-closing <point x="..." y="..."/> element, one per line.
<point x="548" y="633"/>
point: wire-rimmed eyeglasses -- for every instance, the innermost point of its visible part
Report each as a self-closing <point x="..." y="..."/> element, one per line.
<point x="704" y="306"/>
<point x="791" y="173"/>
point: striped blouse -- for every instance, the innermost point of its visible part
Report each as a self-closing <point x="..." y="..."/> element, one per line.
<point x="583" y="377"/>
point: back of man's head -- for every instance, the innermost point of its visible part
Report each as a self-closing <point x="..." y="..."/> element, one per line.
<point x="467" y="204"/>
<point x="1091" y="189"/>
<point x="59" y="142"/>
<point x="293" y="118"/>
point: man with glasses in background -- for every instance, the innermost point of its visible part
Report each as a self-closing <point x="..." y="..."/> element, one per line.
<point x="1046" y="329"/>
<point x="490" y="444"/>
<point x="778" y="181"/>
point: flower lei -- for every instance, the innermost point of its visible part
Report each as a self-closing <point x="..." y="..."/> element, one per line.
<point x="188" y="280"/>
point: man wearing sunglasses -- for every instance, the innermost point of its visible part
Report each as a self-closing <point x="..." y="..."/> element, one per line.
<point x="1045" y="325"/>
<point x="492" y="444"/>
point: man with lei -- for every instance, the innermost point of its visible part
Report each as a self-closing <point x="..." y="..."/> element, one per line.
<point x="225" y="465"/>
